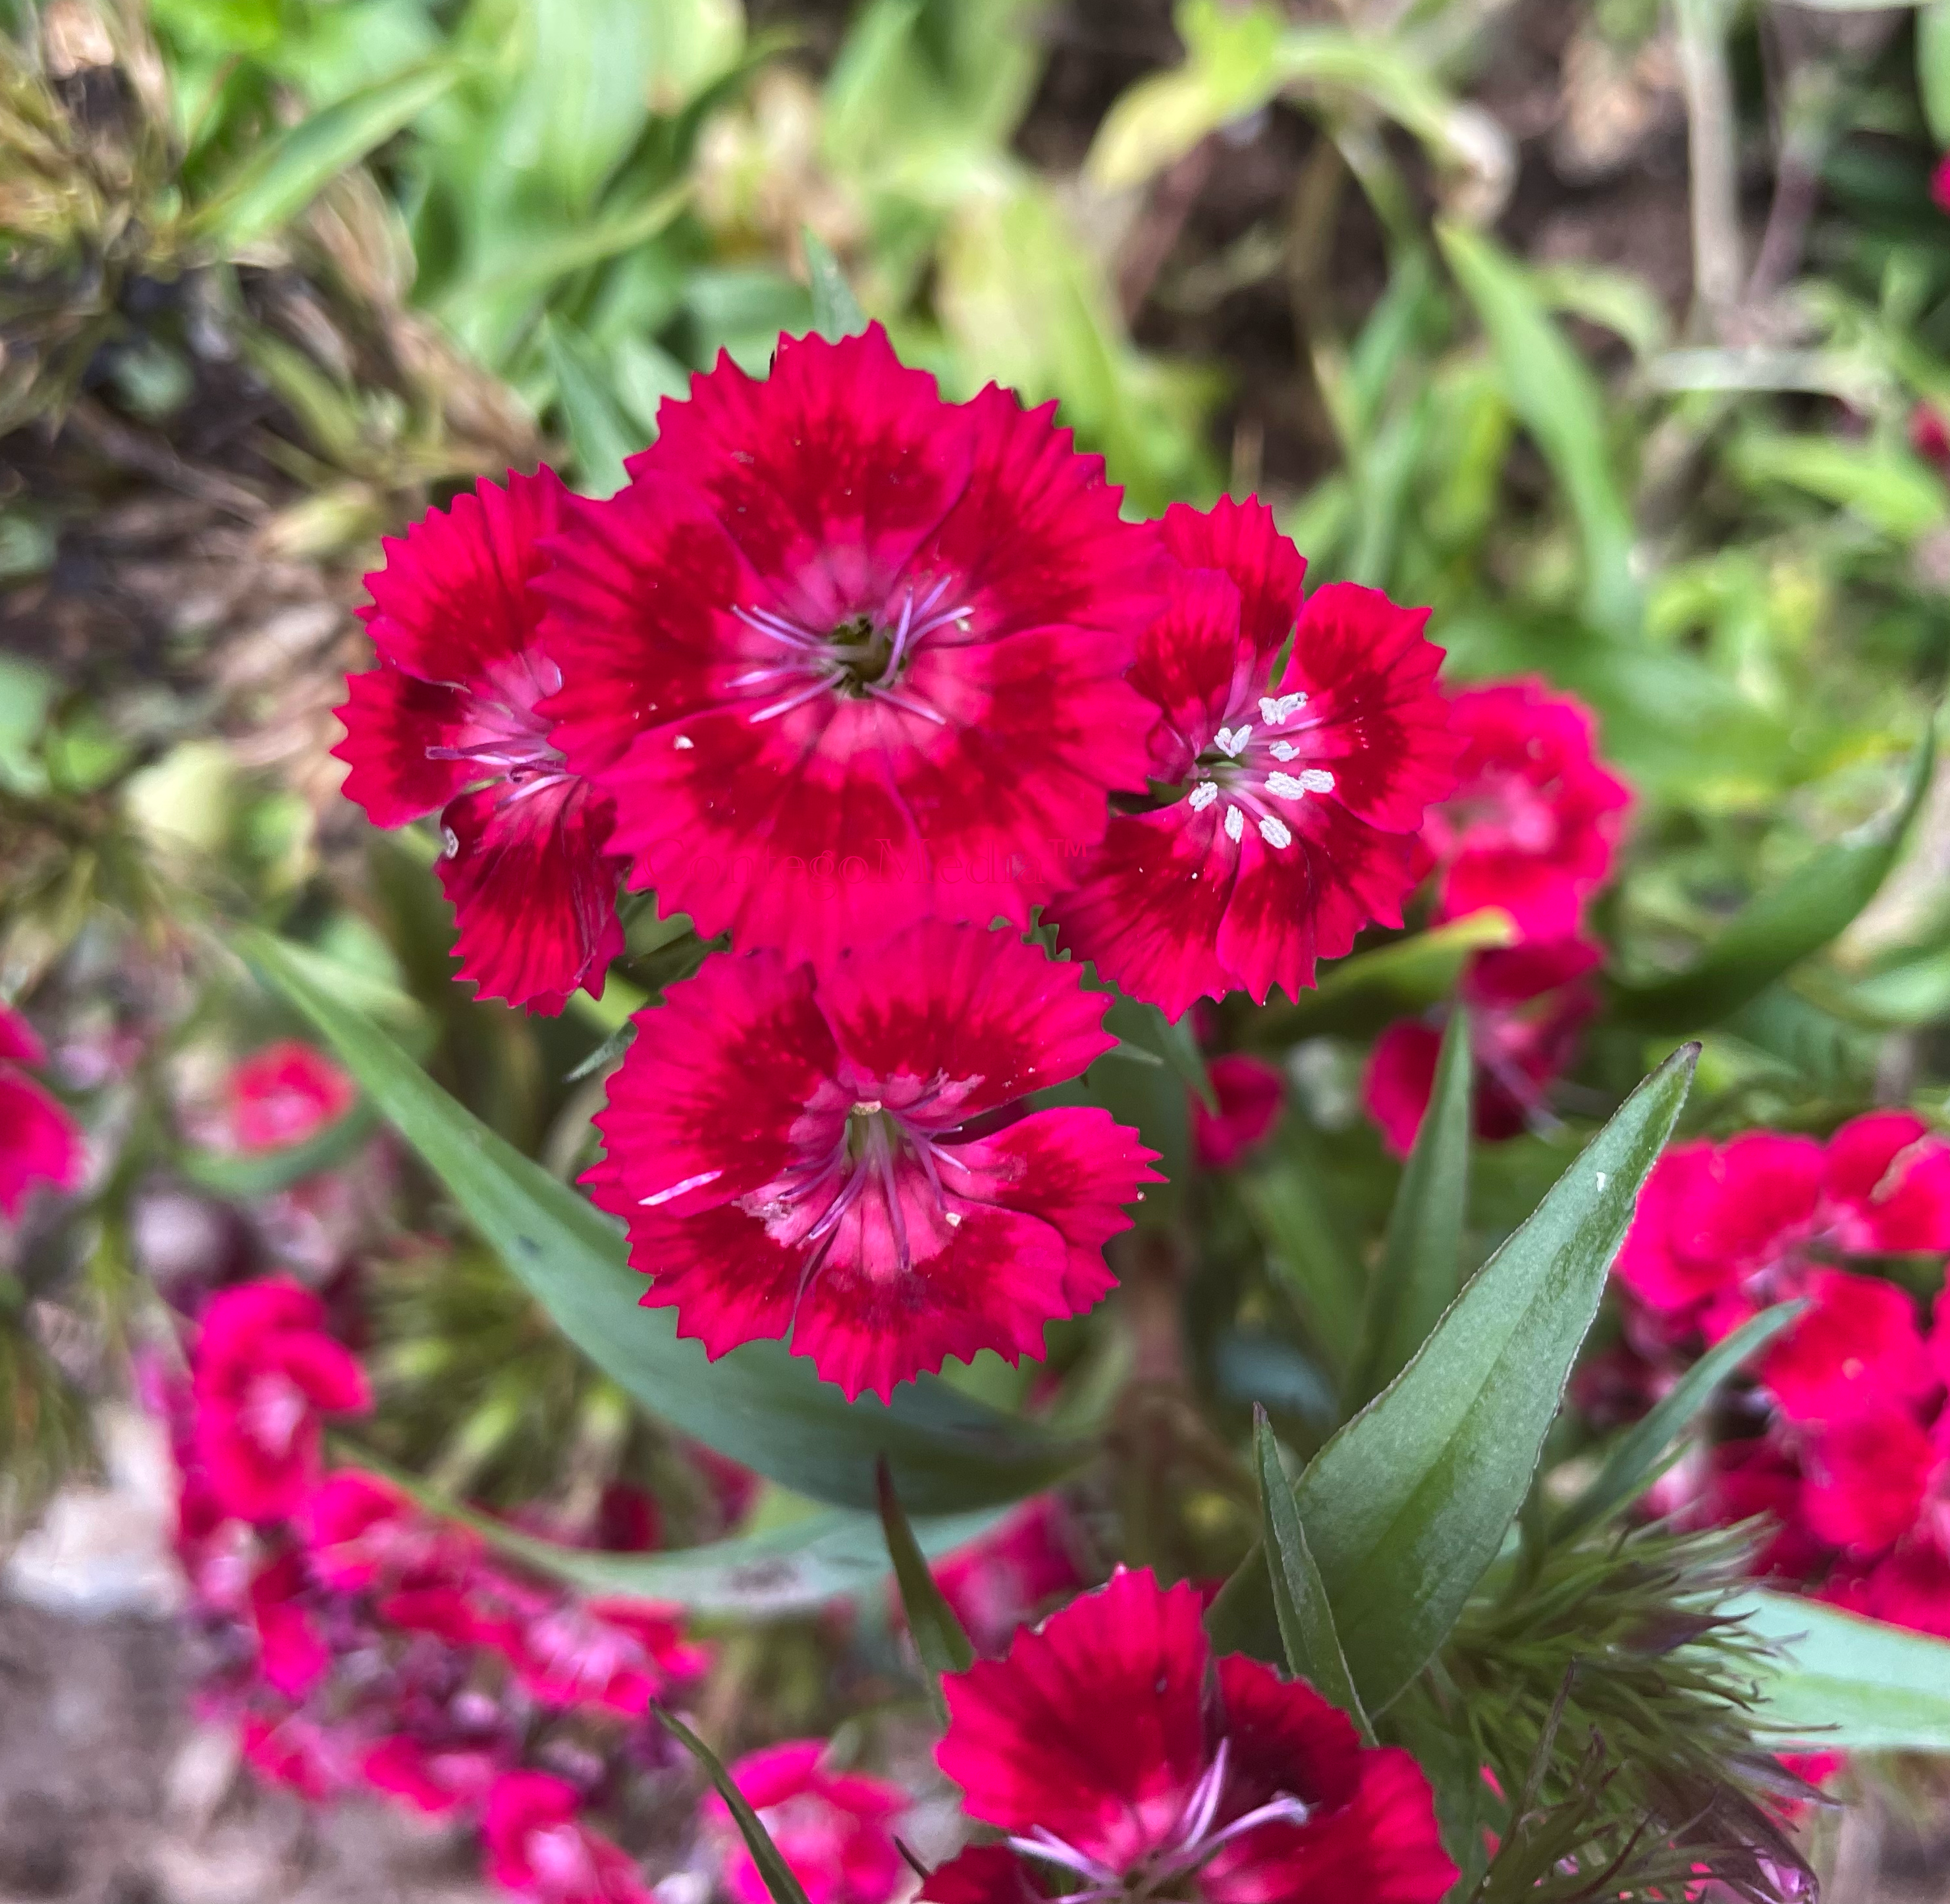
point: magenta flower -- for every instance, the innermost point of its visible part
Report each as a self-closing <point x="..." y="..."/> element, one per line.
<point x="833" y="1153"/>
<point x="997" y="1583"/>
<point x="1250" y="1094"/>
<point x="284" y="1096"/>
<point x="1720" y="1232"/>
<point x="448" y="721"/>
<point x="841" y="649"/>
<point x="1534" y="826"/>
<point x="1119" y="1759"/>
<point x="834" y="1829"/>
<point x="292" y="1655"/>
<point x="1528" y="1006"/>
<point x="39" y="1141"/>
<point x="265" y="1377"/>
<point x="538" y="1846"/>
<point x="1292" y="801"/>
<point x="618" y="1655"/>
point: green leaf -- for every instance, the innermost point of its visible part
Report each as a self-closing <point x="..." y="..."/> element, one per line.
<point x="831" y="1555"/>
<point x="1773" y="933"/>
<point x="780" y="1882"/>
<point x="1305" y="1620"/>
<point x="1144" y="1033"/>
<point x="1634" y="1463"/>
<point x="539" y="265"/>
<point x="1409" y="1504"/>
<point x="281" y="178"/>
<point x="1562" y="405"/>
<point x="1886" y="484"/>
<point x="1932" y="68"/>
<point x="836" y="311"/>
<point x="1848" y="1684"/>
<point x="598" y="432"/>
<point x="1421" y="1257"/>
<point x="758" y="1404"/>
<point x="1307" y="1248"/>
<point x="937" y="1635"/>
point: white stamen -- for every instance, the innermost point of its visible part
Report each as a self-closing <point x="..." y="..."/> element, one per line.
<point x="1274" y="832"/>
<point x="954" y="1220"/>
<point x="450" y="843"/>
<point x="677" y="1189"/>
<point x="1283" y="750"/>
<point x="1202" y="795"/>
<point x="683" y="740"/>
<point x="1285" y="787"/>
<point x="866" y="1107"/>
<point x="1316" y="780"/>
<point x="1278" y="713"/>
<point x="1235" y="823"/>
<point x="1231" y="741"/>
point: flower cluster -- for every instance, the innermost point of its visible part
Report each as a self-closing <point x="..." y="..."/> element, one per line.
<point x="1844" y="1441"/>
<point x="1531" y="832"/>
<point x="363" y="1645"/>
<point x="850" y="675"/>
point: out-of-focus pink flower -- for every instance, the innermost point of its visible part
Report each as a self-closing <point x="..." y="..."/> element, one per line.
<point x="265" y="1377"/>
<point x="538" y="1846"/>
<point x="996" y="1583"/>
<point x="292" y="1655"/>
<point x="834" y="1829"/>
<point x="289" y="1749"/>
<point x="1929" y="437"/>
<point x="1249" y="1092"/>
<point x="1720" y="1232"/>
<point x="1528" y="1006"/>
<point x="284" y="1095"/>
<point x="1939" y="183"/>
<point x="360" y="1532"/>
<point x="39" y="1142"/>
<point x="1534" y="827"/>
<point x="617" y="1654"/>
<point x="438" y="1780"/>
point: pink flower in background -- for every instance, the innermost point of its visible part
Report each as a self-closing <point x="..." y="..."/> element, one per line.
<point x="1534" y="827"/>
<point x="292" y="1655"/>
<point x="538" y="1846"/>
<point x="1295" y="799"/>
<point x="1939" y="184"/>
<point x="1117" y="1756"/>
<point x="39" y="1142"/>
<point x="1722" y="1232"/>
<point x="834" y="1155"/>
<point x="266" y="1376"/>
<point x="617" y="1654"/>
<point x="834" y="1829"/>
<point x="834" y="621"/>
<point x="1528" y="1005"/>
<point x="284" y="1095"/>
<point x="437" y="1780"/>
<point x="1251" y="1093"/>
<point x="997" y="1583"/>
<point x="288" y="1750"/>
<point x="448" y="721"/>
<point x="1929" y="436"/>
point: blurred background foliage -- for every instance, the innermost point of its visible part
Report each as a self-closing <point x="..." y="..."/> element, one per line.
<point x="1600" y="326"/>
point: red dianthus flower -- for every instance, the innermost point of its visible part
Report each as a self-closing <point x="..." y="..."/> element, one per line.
<point x="538" y="1846"/>
<point x="266" y="1376"/>
<point x="39" y="1142"/>
<point x="449" y="720"/>
<point x="1296" y="797"/>
<point x="1534" y="827"/>
<point x="1720" y="1233"/>
<point x="284" y="1094"/>
<point x="829" y="1151"/>
<point x="832" y="1828"/>
<point x="837" y="632"/>
<point x="1099" y="1745"/>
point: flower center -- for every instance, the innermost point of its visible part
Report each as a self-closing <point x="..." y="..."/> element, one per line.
<point x="865" y="658"/>
<point x="1260" y="771"/>
<point x="274" y="1411"/>
<point x="1192" y="1842"/>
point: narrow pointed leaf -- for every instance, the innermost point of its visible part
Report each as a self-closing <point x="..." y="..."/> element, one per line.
<point x="836" y="311"/>
<point x="598" y="432"/>
<point x="1421" y="1264"/>
<point x="758" y="1404"/>
<point x="783" y="1887"/>
<point x="1841" y="1683"/>
<point x="1774" y="933"/>
<point x="1305" y="1620"/>
<point x="1408" y="1504"/>
<point x="1634" y="1463"/>
<point x="280" y="178"/>
<point x="937" y="1635"/>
